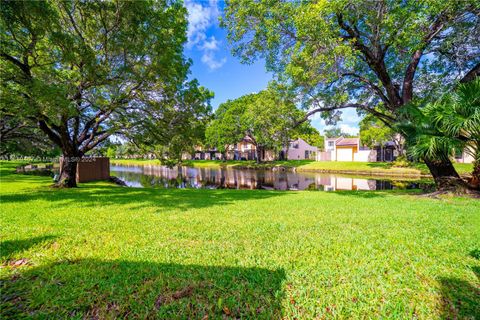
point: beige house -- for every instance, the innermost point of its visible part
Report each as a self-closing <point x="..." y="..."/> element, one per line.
<point x="345" y="149"/>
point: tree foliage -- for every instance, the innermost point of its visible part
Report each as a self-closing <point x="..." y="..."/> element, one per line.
<point x="173" y="127"/>
<point x="311" y="136"/>
<point x="268" y="119"/>
<point x="19" y="137"/>
<point x="228" y="126"/>
<point x="374" y="132"/>
<point x="337" y="132"/>
<point x="359" y="53"/>
<point x="84" y="70"/>
<point x="437" y="129"/>
<point x="375" y="56"/>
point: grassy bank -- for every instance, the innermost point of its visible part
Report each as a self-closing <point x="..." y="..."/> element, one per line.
<point x="102" y="251"/>
<point x="380" y="168"/>
<point x="364" y="168"/>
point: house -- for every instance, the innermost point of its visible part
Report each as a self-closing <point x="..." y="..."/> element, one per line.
<point x="203" y="154"/>
<point x="465" y="156"/>
<point x="300" y="150"/>
<point x="246" y="150"/>
<point x="243" y="150"/>
<point x="386" y="152"/>
<point x="345" y="149"/>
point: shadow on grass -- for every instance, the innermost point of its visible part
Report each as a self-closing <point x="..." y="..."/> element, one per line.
<point x="475" y="253"/>
<point x="10" y="247"/>
<point x="460" y="299"/>
<point x="137" y="198"/>
<point x="127" y="289"/>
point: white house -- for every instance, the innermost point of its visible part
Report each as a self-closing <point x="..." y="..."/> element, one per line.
<point x="465" y="156"/>
<point x="345" y="149"/>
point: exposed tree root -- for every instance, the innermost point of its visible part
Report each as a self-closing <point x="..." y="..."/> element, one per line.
<point x="117" y="181"/>
<point x="441" y="194"/>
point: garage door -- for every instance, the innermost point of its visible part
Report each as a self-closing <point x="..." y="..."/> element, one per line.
<point x="344" y="154"/>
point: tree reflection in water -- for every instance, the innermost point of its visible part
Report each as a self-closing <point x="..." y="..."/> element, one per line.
<point x="229" y="178"/>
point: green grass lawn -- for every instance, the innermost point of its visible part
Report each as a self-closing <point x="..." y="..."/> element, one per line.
<point x="366" y="168"/>
<point x="379" y="168"/>
<point x="102" y="251"/>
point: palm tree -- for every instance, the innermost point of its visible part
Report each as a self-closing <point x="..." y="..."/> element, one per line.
<point x="434" y="131"/>
<point x="459" y="118"/>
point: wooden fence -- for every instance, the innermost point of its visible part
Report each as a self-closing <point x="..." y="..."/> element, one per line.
<point x="92" y="169"/>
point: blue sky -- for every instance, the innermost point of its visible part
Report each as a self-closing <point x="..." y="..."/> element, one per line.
<point x="218" y="70"/>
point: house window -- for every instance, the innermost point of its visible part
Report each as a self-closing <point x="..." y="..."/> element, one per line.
<point x="294" y="145"/>
<point x="330" y="143"/>
<point x="307" y="154"/>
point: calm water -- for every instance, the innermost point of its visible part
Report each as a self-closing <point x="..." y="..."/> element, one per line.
<point x="188" y="177"/>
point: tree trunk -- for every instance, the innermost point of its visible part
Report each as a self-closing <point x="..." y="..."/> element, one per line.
<point x="445" y="176"/>
<point x="475" y="180"/>
<point x="68" y="172"/>
<point x="258" y="151"/>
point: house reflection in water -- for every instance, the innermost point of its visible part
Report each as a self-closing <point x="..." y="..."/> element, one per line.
<point x="213" y="178"/>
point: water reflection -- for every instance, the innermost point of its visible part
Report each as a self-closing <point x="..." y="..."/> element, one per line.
<point x="188" y="177"/>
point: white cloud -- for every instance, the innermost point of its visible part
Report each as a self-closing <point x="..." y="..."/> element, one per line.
<point x="201" y="16"/>
<point x="211" y="44"/>
<point x="346" y="128"/>
<point x="209" y="59"/>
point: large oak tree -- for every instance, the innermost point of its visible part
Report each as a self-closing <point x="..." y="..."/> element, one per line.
<point x="375" y="56"/>
<point x="84" y="70"/>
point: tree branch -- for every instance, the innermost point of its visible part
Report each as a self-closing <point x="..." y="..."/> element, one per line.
<point x="25" y="68"/>
<point x="374" y="87"/>
<point x="50" y="133"/>
<point x="92" y="144"/>
<point x="325" y="109"/>
<point x="472" y="74"/>
<point x="407" y="89"/>
<point x="376" y="63"/>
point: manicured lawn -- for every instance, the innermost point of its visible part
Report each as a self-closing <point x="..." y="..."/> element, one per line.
<point x="376" y="167"/>
<point x="102" y="251"/>
<point x="367" y="168"/>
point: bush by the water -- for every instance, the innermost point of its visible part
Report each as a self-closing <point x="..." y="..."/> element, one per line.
<point x="401" y="162"/>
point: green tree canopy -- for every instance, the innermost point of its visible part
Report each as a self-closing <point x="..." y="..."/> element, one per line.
<point x="311" y="136"/>
<point x="373" y="132"/>
<point x="227" y="127"/>
<point x="84" y="70"/>
<point x="375" y="56"/>
<point x="19" y="137"/>
<point x="267" y="118"/>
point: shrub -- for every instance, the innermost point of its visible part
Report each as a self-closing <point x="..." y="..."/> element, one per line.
<point x="401" y="162"/>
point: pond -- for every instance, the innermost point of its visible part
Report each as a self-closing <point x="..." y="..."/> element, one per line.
<point x="231" y="178"/>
